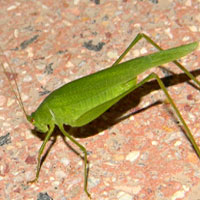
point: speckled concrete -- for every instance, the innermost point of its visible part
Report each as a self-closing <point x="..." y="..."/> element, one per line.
<point x="144" y="156"/>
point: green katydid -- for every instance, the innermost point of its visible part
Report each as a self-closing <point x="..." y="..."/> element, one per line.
<point x="83" y="100"/>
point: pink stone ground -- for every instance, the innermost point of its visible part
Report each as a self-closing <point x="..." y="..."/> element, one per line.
<point x="145" y="156"/>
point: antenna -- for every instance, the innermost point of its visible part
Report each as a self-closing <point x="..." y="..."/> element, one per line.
<point x="17" y="92"/>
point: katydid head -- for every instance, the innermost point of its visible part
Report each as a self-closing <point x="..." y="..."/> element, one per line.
<point x="39" y="126"/>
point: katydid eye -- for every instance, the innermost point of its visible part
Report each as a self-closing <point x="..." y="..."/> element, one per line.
<point x="32" y="120"/>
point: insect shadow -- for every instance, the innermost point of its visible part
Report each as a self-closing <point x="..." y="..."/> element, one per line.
<point x="115" y="114"/>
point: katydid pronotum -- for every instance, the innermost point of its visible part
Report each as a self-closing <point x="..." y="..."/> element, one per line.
<point x="81" y="101"/>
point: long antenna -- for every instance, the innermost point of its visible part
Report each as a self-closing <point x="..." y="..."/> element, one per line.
<point x="17" y="94"/>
